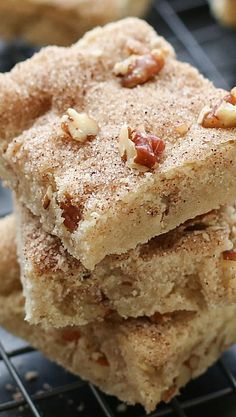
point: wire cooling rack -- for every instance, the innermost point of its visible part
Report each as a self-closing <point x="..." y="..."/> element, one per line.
<point x="30" y="385"/>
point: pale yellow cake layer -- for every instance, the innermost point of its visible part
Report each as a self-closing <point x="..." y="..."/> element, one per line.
<point x="184" y="269"/>
<point x="61" y="22"/>
<point x="138" y="360"/>
<point x="111" y="207"/>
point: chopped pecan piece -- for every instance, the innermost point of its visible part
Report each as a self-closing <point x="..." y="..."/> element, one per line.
<point x="47" y="198"/>
<point x="137" y="70"/>
<point x="100" y="358"/>
<point x="169" y="393"/>
<point x="71" y="335"/>
<point x="192" y="362"/>
<point x="182" y="129"/>
<point x="140" y="150"/>
<point x="71" y="214"/>
<point x="79" y="126"/>
<point x="102" y="361"/>
<point x="229" y="255"/>
<point x="156" y="318"/>
<point x="221" y="116"/>
<point x="231" y="97"/>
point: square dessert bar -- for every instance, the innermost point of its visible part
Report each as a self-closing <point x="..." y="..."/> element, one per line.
<point x="138" y="360"/>
<point x="61" y="22"/>
<point x="225" y="11"/>
<point x="190" y="268"/>
<point x="107" y="141"/>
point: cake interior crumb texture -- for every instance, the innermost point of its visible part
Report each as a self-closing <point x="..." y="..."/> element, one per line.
<point x="112" y="207"/>
<point x="138" y="360"/>
<point x="184" y="269"/>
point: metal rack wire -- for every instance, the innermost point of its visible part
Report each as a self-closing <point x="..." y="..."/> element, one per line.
<point x="198" y="39"/>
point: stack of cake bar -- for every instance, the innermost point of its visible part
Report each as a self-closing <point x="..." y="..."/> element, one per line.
<point x="123" y="164"/>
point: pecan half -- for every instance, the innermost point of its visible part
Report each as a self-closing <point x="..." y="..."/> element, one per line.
<point x="140" y="150"/>
<point x="79" y="126"/>
<point x="222" y="115"/>
<point x="229" y="255"/>
<point x="137" y="70"/>
<point x="72" y="214"/>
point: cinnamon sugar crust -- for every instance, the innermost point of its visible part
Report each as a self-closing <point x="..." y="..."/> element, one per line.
<point x="151" y="361"/>
<point x="117" y="207"/>
<point x="59" y="22"/>
<point x="181" y="270"/>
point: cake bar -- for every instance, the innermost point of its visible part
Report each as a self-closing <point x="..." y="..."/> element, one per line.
<point x="139" y="360"/>
<point x="107" y="153"/>
<point x="190" y="268"/>
<point x="225" y="11"/>
<point x="58" y="22"/>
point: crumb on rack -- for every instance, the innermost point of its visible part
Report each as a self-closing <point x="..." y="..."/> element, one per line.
<point x="31" y="376"/>
<point x="121" y="408"/>
<point x="81" y="407"/>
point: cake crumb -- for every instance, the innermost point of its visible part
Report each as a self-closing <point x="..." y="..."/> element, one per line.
<point x="17" y="396"/>
<point x="10" y="387"/>
<point x="206" y="237"/>
<point x="47" y="386"/>
<point x="31" y="376"/>
<point x="21" y="408"/>
<point x="39" y="392"/>
<point x="80" y="408"/>
<point x="121" y="408"/>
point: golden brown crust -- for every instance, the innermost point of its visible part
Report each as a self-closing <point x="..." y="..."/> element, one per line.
<point x="119" y="207"/>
